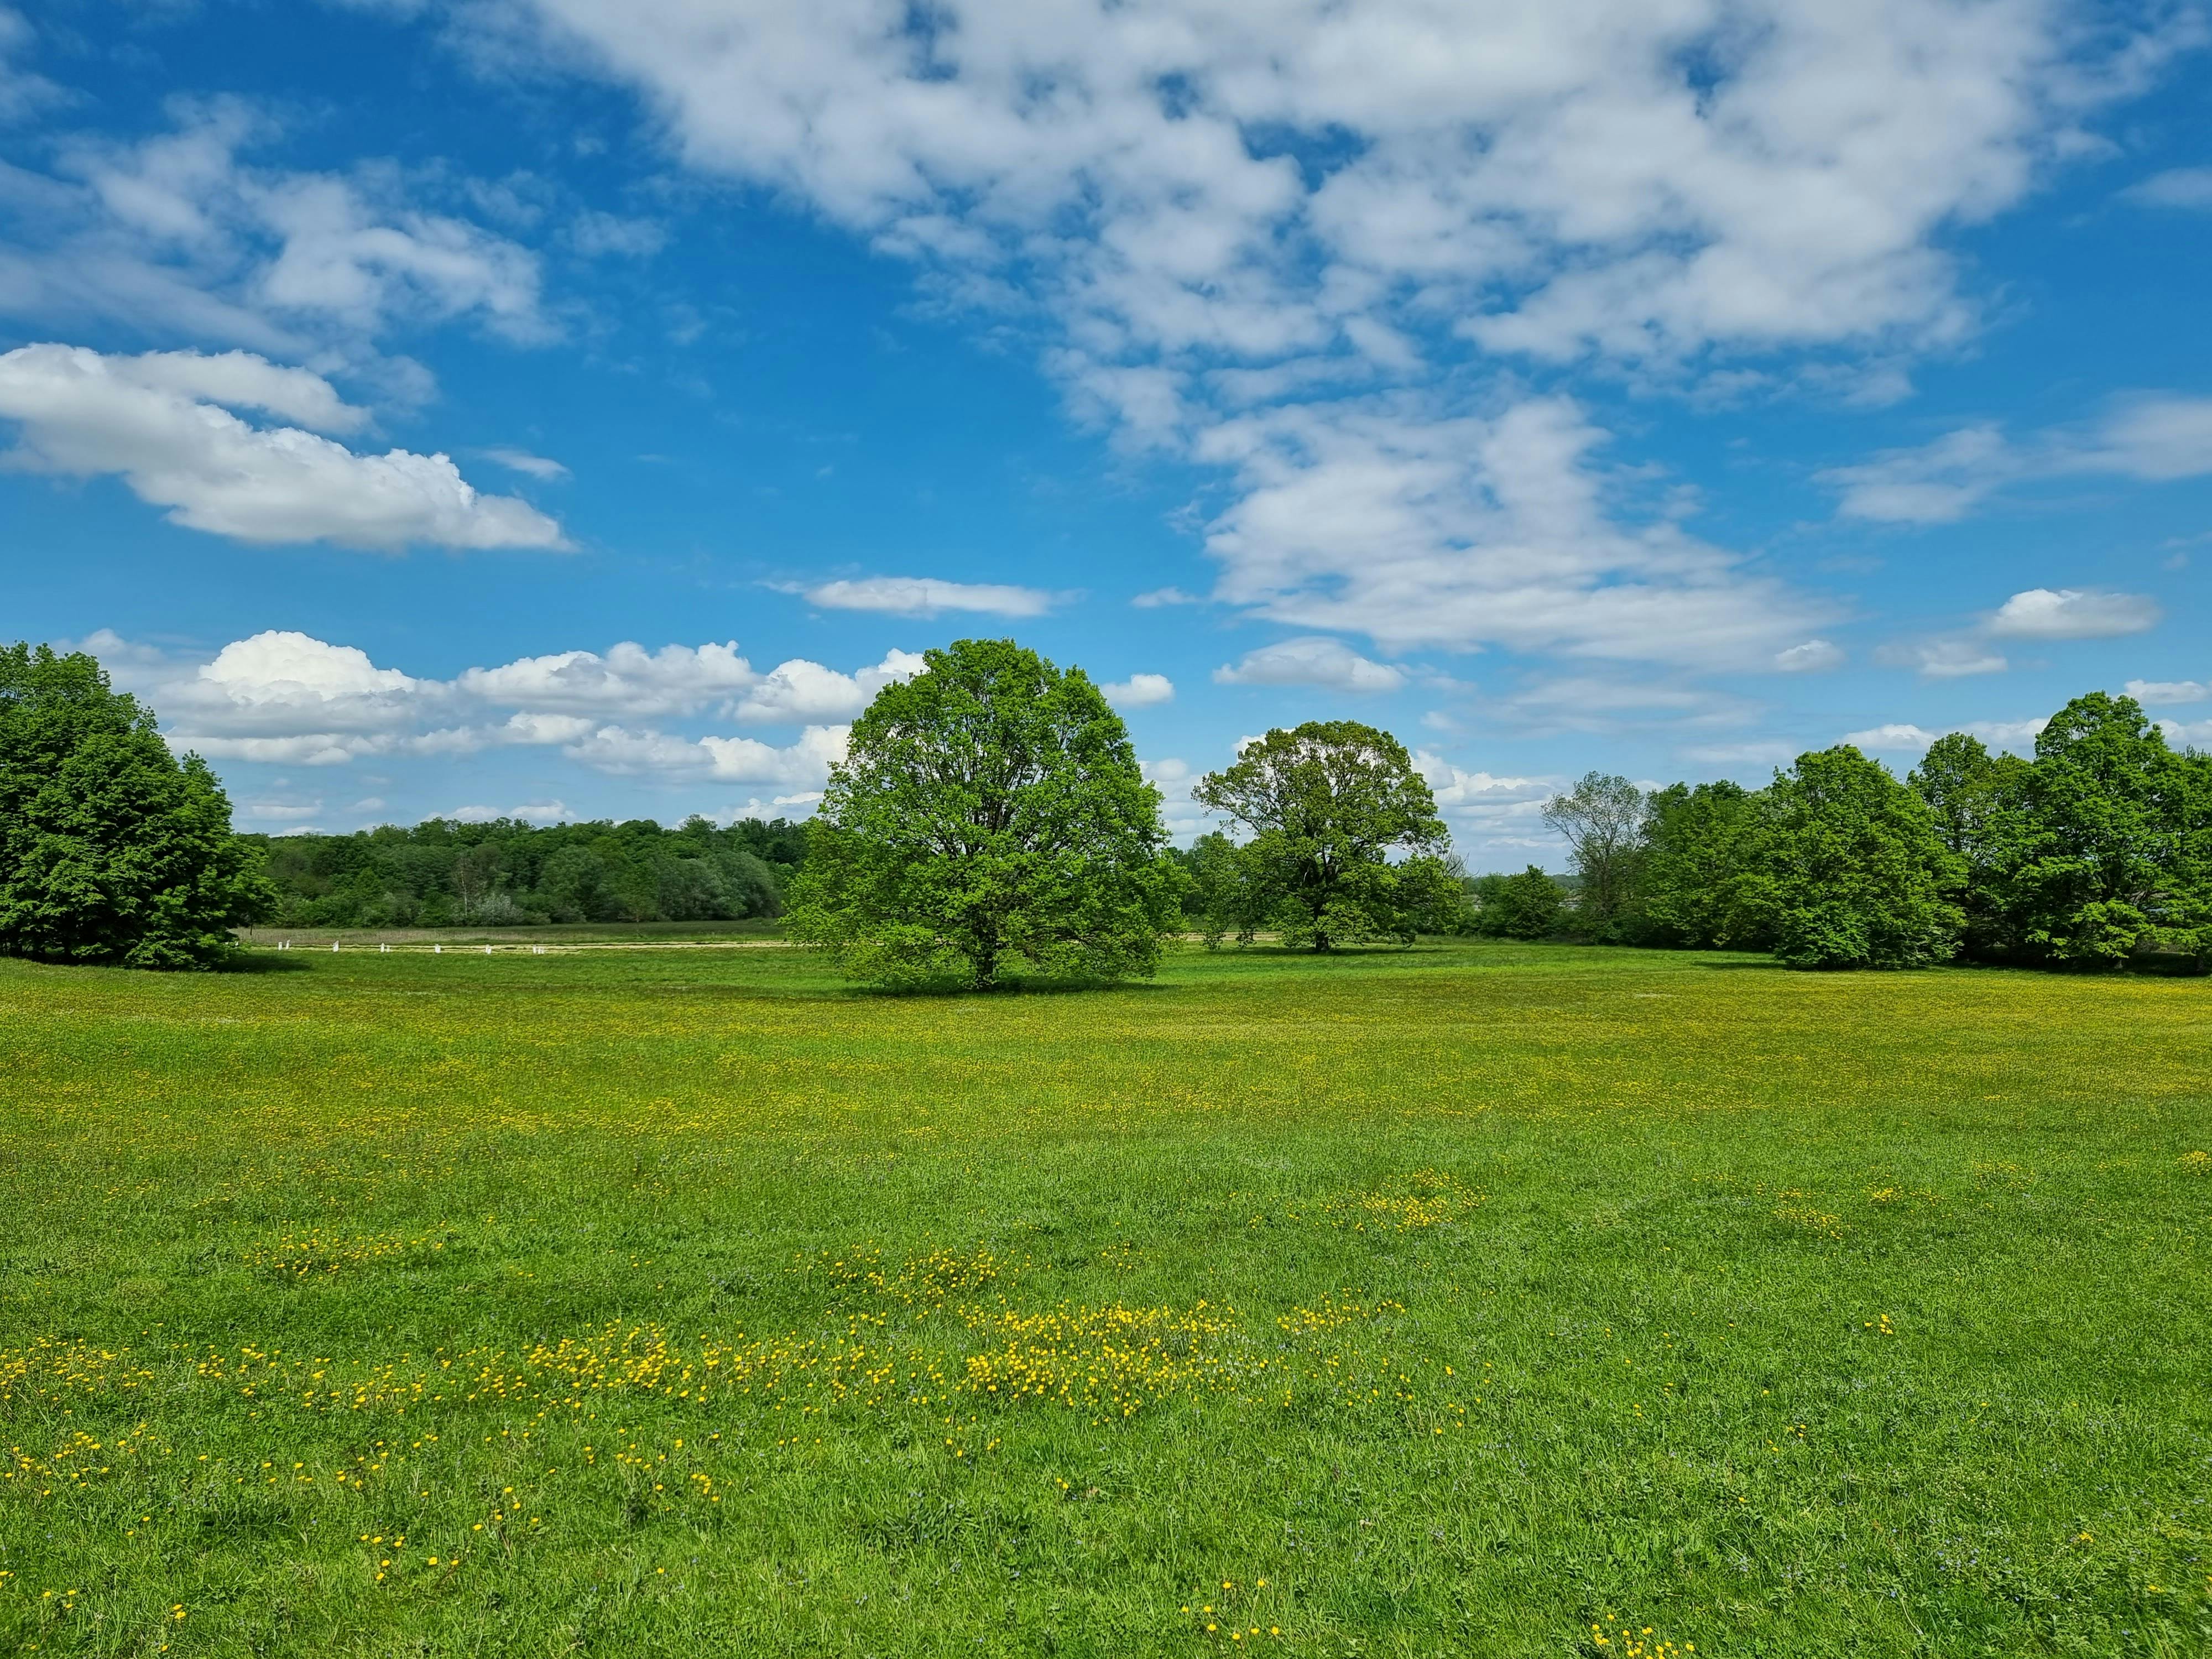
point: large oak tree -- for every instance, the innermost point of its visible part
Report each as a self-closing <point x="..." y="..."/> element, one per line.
<point x="989" y="815"/>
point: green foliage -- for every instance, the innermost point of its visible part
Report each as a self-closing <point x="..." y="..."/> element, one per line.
<point x="1690" y="880"/>
<point x="1327" y="804"/>
<point x="1980" y="805"/>
<point x="1221" y="899"/>
<point x="441" y="873"/>
<point x="990" y="810"/>
<point x="2113" y="856"/>
<point x="1527" y="906"/>
<point x="111" y="849"/>
<point x="1847" y="869"/>
<point x="1602" y="820"/>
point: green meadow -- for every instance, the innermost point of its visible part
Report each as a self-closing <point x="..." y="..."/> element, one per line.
<point x="1472" y="1299"/>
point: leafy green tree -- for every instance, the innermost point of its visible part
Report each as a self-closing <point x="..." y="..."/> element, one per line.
<point x="990" y="810"/>
<point x="1327" y="804"/>
<point x="1221" y="900"/>
<point x="1526" y="906"/>
<point x="1849" y="870"/>
<point x="1979" y="802"/>
<point x="1690" y="886"/>
<point x="1602" y="819"/>
<point x="2113" y="859"/>
<point x="111" y="849"/>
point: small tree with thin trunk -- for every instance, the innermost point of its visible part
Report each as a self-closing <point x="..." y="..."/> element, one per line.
<point x="989" y="814"/>
<point x="1602" y="820"/>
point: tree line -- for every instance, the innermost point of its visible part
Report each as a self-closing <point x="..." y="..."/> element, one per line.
<point x="990" y="818"/>
<point x="2096" y="853"/>
<point x="506" y="872"/>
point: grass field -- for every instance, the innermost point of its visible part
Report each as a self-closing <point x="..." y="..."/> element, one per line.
<point x="1470" y="1300"/>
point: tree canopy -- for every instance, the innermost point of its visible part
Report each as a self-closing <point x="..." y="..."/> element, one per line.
<point x="111" y="849"/>
<point x="1847" y="869"/>
<point x="2095" y="852"/>
<point x="1327" y="804"/>
<point x="989" y="812"/>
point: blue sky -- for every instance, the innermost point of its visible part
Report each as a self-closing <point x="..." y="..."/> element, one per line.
<point x="580" y="409"/>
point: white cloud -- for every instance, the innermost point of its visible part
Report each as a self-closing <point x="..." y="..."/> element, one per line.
<point x="926" y="596"/>
<point x="280" y="811"/>
<point x="1164" y="596"/>
<point x="536" y="811"/>
<point x="2154" y="437"/>
<point x="1139" y="691"/>
<point x="1466" y="531"/>
<point x="2158" y="693"/>
<point x="803" y="691"/>
<point x="2176" y="187"/>
<point x="287" y="698"/>
<point x="1812" y="657"/>
<point x="177" y="233"/>
<point x="2072" y="613"/>
<point x="1938" y="484"/>
<point x="1614" y="702"/>
<point x="803" y="765"/>
<point x="1944" y="659"/>
<point x="1895" y="738"/>
<point x="2018" y="736"/>
<point x="2196" y="734"/>
<point x="521" y="460"/>
<point x="1607" y="176"/>
<point x="148" y="421"/>
<point x="1222" y="206"/>
<point x="1316" y="661"/>
<point x="627" y="680"/>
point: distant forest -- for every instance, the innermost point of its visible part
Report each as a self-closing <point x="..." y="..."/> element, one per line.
<point x="508" y="874"/>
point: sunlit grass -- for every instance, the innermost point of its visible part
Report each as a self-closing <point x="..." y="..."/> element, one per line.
<point x="1468" y="1300"/>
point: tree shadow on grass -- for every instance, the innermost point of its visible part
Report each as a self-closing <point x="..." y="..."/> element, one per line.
<point x="263" y="961"/>
<point x="1009" y="991"/>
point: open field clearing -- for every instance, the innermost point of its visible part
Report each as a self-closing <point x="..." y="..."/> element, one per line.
<point x="1468" y="1300"/>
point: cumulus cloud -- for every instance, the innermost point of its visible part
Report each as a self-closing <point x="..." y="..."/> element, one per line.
<point x="1489" y="816"/>
<point x="1139" y="691"/>
<point x="1468" y="532"/>
<point x="1904" y="738"/>
<point x="799" y="690"/>
<point x="156" y="422"/>
<point x="2158" y="693"/>
<point x="287" y="698"/>
<point x="1232" y="215"/>
<point x="627" y="680"/>
<point x="804" y="764"/>
<point x="1316" y="661"/>
<point x="926" y="596"/>
<point x="2073" y="613"/>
